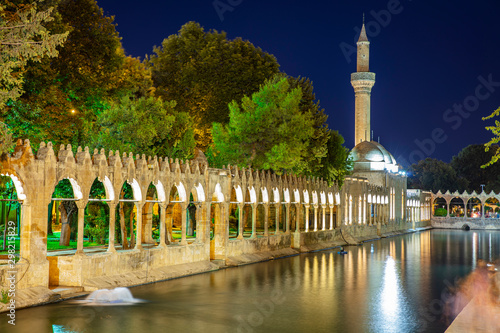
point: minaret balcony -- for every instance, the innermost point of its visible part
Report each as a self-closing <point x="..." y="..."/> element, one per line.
<point x="363" y="76"/>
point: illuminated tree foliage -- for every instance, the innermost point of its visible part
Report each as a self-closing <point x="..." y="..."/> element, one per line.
<point x="23" y="37"/>
<point x="146" y="125"/>
<point x="317" y="149"/>
<point x="495" y="129"/>
<point x="63" y="96"/>
<point x="266" y="131"/>
<point x="5" y="139"/>
<point x="335" y="165"/>
<point x="204" y="72"/>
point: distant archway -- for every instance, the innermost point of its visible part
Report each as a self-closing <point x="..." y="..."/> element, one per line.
<point x="457" y="207"/>
<point x="492" y="208"/>
<point x="474" y="208"/>
<point x="440" y="207"/>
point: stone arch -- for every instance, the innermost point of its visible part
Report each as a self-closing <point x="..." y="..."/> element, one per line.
<point x="177" y="196"/>
<point x="218" y="195"/>
<point x="151" y="215"/>
<point x="262" y="201"/>
<point x="10" y="208"/>
<point x="474" y="208"/>
<point x="439" y="207"/>
<point x="249" y="201"/>
<point x="234" y="212"/>
<point x="457" y="207"/>
<point x="96" y="222"/>
<point x="63" y="203"/>
<point x="18" y="184"/>
<point x="492" y="208"/>
<point x="127" y="216"/>
<point x="192" y="212"/>
<point x="277" y="210"/>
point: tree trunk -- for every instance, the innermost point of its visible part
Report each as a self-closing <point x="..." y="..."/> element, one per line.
<point x="65" y="227"/>
<point x="123" y="229"/>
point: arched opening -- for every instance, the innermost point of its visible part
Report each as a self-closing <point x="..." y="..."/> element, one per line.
<point x="215" y="216"/>
<point x="62" y="226"/>
<point x="457" y="207"/>
<point x="439" y="207"/>
<point x="10" y="217"/>
<point x="474" y="208"/>
<point x="126" y="228"/>
<point x="151" y="217"/>
<point x="96" y="226"/>
<point x="466" y="227"/>
<point x="234" y="213"/>
<point x="247" y="215"/>
<point x="259" y="221"/>
<point x="191" y="222"/>
<point x="293" y="217"/>
<point x="174" y="215"/>
<point x="492" y="208"/>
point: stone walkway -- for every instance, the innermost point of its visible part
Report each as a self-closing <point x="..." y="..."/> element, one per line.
<point x="476" y="318"/>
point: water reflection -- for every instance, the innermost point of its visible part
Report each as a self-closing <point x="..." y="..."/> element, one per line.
<point x="393" y="285"/>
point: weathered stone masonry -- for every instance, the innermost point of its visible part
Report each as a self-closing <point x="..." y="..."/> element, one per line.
<point x="310" y="212"/>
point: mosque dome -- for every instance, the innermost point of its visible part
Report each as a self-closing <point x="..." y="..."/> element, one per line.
<point x="372" y="156"/>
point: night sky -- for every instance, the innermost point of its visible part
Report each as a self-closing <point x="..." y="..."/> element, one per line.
<point x="436" y="62"/>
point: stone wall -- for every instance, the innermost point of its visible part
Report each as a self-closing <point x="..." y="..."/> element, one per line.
<point x="319" y="213"/>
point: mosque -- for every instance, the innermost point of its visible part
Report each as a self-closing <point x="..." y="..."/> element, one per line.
<point x="370" y="159"/>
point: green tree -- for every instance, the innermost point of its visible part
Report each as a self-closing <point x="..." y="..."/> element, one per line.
<point x="63" y="96"/>
<point x="204" y="72"/>
<point x="266" y="131"/>
<point x="23" y="38"/>
<point x="495" y="129"/>
<point x="434" y="175"/>
<point x="336" y="164"/>
<point x="5" y="139"/>
<point x="146" y="125"/>
<point x="467" y="164"/>
<point x="317" y="149"/>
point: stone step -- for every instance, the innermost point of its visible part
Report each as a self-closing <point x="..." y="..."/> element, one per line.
<point x="66" y="290"/>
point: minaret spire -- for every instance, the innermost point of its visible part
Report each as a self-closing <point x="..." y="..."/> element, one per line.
<point x="362" y="82"/>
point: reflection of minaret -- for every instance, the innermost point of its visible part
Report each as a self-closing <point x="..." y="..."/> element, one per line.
<point x="362" y="82"/>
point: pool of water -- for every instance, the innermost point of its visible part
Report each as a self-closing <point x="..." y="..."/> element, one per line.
<point x="398" y="284"/>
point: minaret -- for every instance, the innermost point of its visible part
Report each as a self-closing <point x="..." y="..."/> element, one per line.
<point x="362" y="82"/>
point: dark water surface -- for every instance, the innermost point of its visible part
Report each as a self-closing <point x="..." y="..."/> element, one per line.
<point x="397" y="284"/>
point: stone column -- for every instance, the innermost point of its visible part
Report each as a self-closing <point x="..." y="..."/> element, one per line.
<point x="240" y="220"/>
<point x="306" y="227"/>
<point x="184" y="222"/>
<point x="254" y="220"/>
<point x="266" y="219"/>
<point x="331" y="217"/>
<point x="162" y="207"/>
<point x="81" y="204"/>
<point x="297" y="218"/>
<point x="138" y="226"/>
<point x="277" y="219"/>
<point x="315" y="217"/>
<point x="112" y="221"/>
<point x="287" y="220"/>
<point x="323" y="227"/>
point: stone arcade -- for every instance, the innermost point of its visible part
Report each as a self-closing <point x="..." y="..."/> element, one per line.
<point x="277" y="215"/>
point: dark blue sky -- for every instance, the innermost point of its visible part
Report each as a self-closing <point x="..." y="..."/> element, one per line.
<point x="436" y="62"/>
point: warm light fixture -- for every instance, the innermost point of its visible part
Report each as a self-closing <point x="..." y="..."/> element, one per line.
<point x="73" y="111"/>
